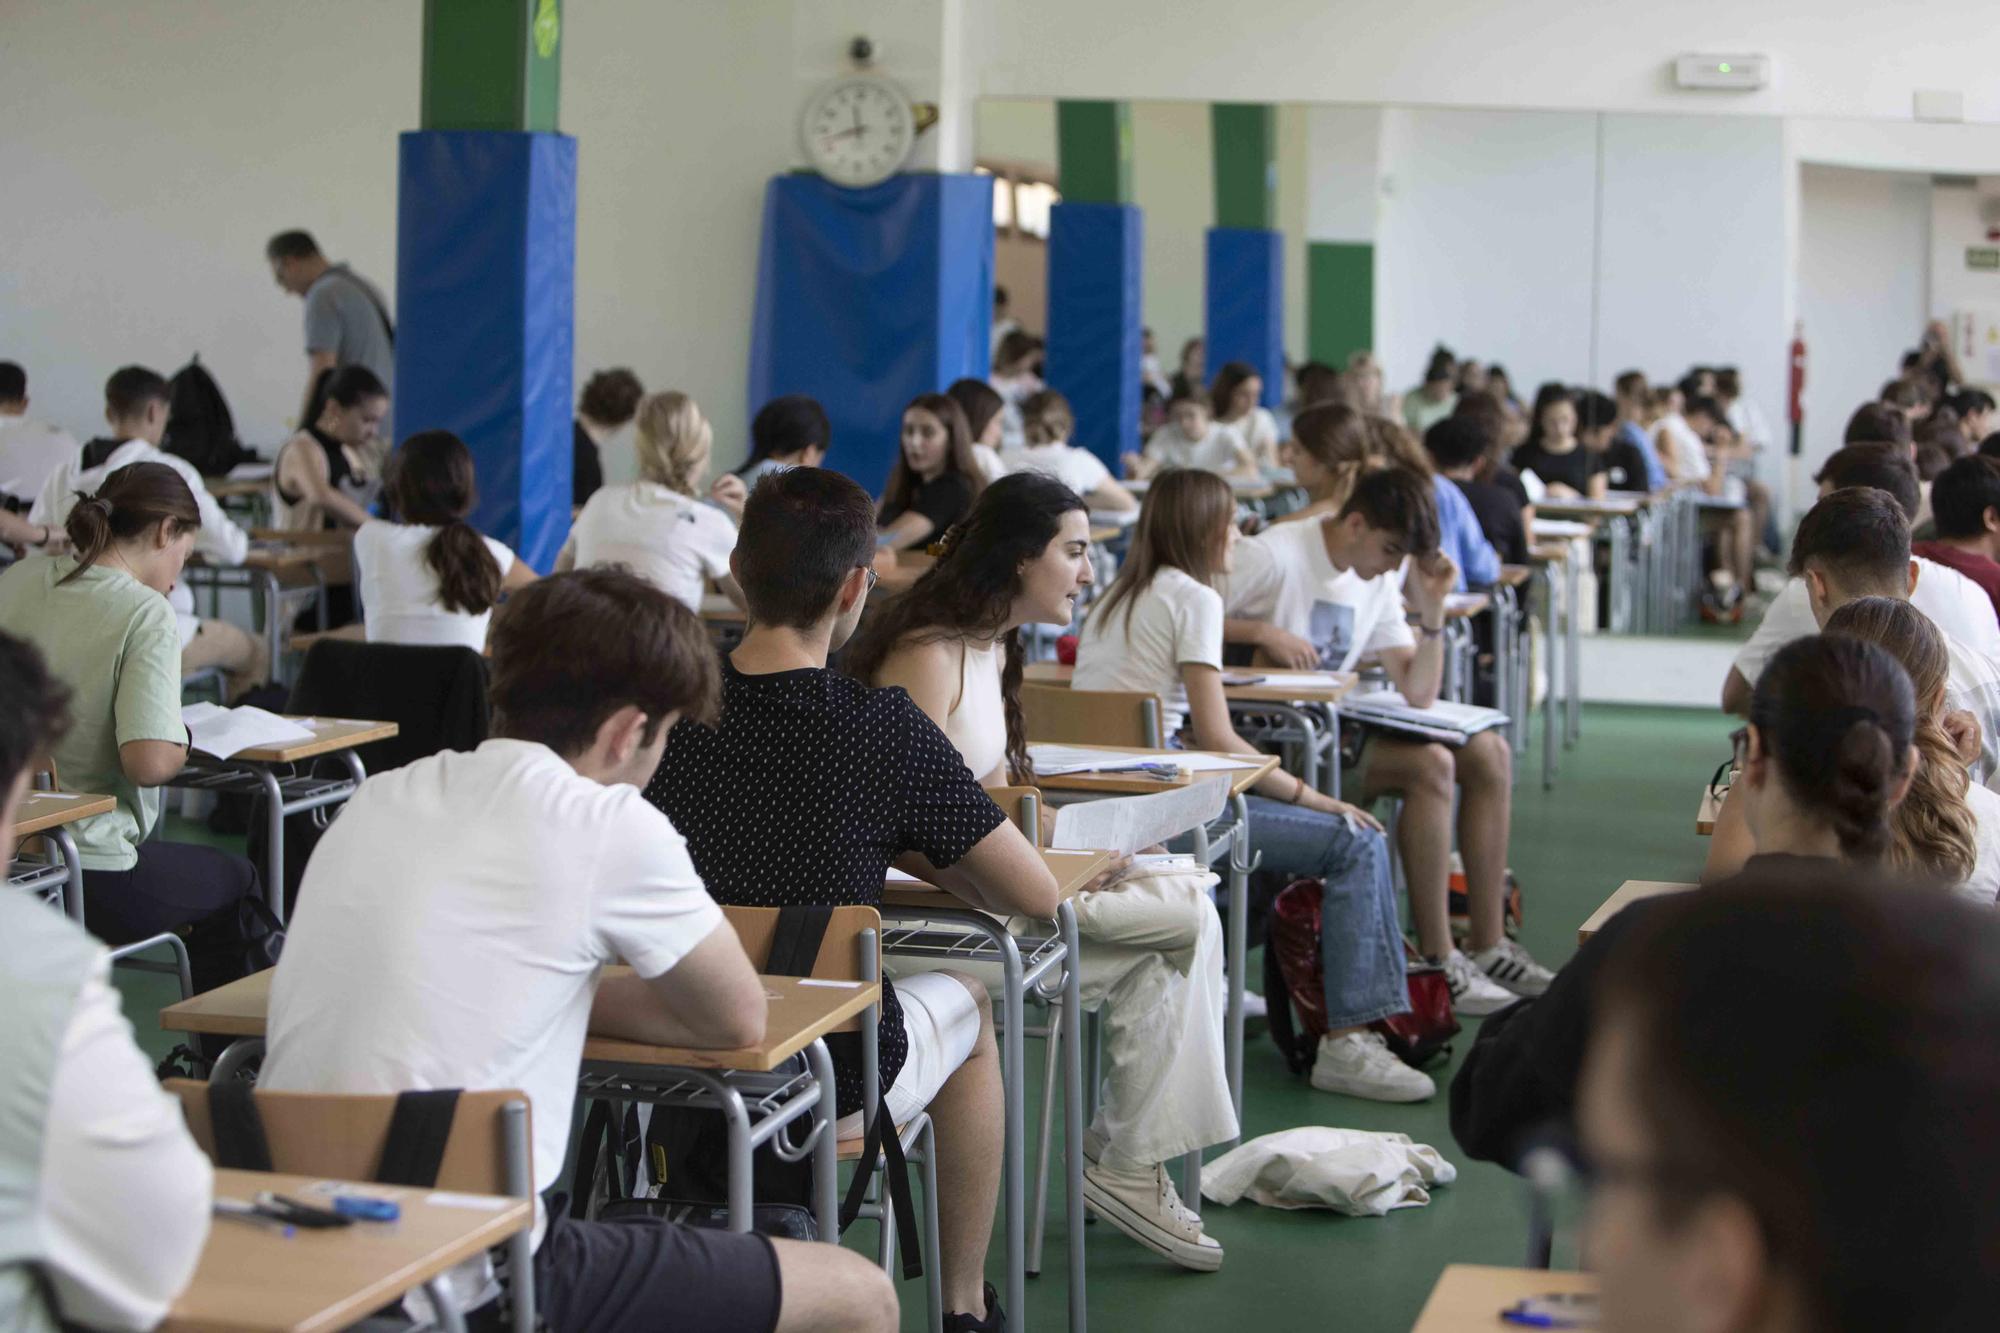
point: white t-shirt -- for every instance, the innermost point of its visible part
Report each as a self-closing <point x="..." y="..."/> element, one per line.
<point x="1284" y="575"/>
<point x="1259" y="432"/>
<point x="452" y="923"/>
<point x="30" y="452"/>
<point x="1221" y="450"/>
<point x="1689" y="457"/>
<point x="1974" y="683"/>
<point x="1983" y="886"/>
<point x="399" y="589"/>
<point x="990" y="466"/>
<point x="1079" y="469"/>
<point x="674" y="542"/>
<point x="1175" y="621"/>
<point x="219" y="540"/>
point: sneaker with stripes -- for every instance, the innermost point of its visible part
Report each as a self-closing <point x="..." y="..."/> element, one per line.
<point x="1508" y="964"/>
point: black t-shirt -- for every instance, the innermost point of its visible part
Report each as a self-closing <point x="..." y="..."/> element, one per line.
<point x="1624" y="466"/>
<point x="943" y="500"/>
<point x="586" y="469"/>
<point x="1499" y="514"/>
<point x="807" y="790"/>
<point x="1573" y="469"/>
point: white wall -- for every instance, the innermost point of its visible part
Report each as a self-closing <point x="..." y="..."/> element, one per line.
<point x="1835" y="57"/>
<point x="1863" y="239"/>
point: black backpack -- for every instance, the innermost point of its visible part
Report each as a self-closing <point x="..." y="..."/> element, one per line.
<point x="199" y="425"/>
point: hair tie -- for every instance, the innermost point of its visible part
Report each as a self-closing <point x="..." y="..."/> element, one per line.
<point x="1845" y="718"/>
<point x="99" y="503"/>
<point x="948" y="543"/>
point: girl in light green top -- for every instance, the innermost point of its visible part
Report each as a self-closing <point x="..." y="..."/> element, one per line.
<point x="101" y="619"/>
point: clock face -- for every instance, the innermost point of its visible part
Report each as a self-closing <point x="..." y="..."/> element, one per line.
<point x="858" y="131"/>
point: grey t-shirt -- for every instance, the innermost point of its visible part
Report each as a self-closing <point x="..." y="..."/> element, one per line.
<point x="343" y="317"/>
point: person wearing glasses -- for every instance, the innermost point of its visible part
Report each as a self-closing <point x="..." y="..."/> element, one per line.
<point x="810" y="787"/>
<point x="1828" y="754"/>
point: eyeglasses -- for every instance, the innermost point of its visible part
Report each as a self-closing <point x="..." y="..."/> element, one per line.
<point x="1726" y="771"/>
<point x="873" y="577"/>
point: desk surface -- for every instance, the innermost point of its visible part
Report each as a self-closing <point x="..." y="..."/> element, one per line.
<point x="1708" y="811"/>
<point x="335" y="734"/>
<point x="1054" y="673"/>
<point x="1549" y="553"/>
<point x="1465" y="605"/>
<point x="801" y="1012"/>
<point x="719" y="610"/>
<point x="227" y="488"/>
<point x="1470" y="1297"/>
<point x="1631" y="891"/>
<point x="1513" y="576"/>
<point x="323" y="537"/>
<point x="43" y="810"/>
<point x="251" y="1277"/>
<point x="1611" y="506"/>
<point x="1126" y="784"/>
<point x="1072" y="870"/>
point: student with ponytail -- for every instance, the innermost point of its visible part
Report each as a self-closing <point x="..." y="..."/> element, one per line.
<point x="1328" y="451"/>
<point x="984" y="409"/>
<point x="1947" y="828"/>
<point x="101" y="620"/>
<point x="658" y="526"/>
<point x="1829" y="753"/>
<point x="428" y="577"/>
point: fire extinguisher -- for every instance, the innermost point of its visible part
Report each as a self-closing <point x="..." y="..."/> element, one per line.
<point x="1795" y="408"/>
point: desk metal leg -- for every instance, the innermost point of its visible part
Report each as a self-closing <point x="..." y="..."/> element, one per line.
<point x="444" y="1304"/>
<point x="1072" y="1002"/>
<point x="1240" y="866"/>
<point x="826" y="1153"/>
<point x="1573" y="648"/>
<point x="72" y="892"/>
<point x="274" y="629"/>
<point x="1551" y="696"/>
<point x="274" y="850"/>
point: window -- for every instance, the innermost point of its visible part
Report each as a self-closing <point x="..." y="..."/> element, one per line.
<point x="1022" y="198"/>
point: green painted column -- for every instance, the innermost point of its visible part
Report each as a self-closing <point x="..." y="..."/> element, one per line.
<point x="1094" y="152"/>
<point x="1340" y="300"/>
<point x="1246" y="164"/>
<point x="492" y="64"/>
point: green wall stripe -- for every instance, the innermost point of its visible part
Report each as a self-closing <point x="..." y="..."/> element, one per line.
<point x="1246" y="164"/>
<point x="1340" y="300"/>
<point x="1094" y="152"/>
<point x="491" y="64"/>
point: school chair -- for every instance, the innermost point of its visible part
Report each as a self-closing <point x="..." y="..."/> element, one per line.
<point x="1092" y="717"/>
<point x="344" y="1137"/>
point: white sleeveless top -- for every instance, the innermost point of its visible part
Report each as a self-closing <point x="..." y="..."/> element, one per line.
<point x="977" y="723"/>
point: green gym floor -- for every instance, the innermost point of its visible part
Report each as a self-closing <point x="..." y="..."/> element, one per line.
<point x="1622" y="808"/>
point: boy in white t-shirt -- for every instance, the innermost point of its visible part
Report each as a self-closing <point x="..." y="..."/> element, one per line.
<point x="1193" y="438"/>
<point x="454" y="923"/>
<point x="1321" y="596"/>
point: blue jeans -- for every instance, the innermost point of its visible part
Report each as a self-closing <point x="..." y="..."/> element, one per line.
<point x="1361" y="931"/>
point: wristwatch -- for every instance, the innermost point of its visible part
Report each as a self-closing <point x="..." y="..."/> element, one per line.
<point x="1416" y="623"/>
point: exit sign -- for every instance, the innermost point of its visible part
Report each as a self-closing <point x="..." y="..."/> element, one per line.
<point x="1982" y="257"/>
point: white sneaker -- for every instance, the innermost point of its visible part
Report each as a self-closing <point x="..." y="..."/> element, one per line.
<point x="1510" y="965"/>
<point x="1361" y="1064"/>
<point x="1473" y="993"/>
<point x="1146" y="1206"/>
<point x="1254" y="1006"/>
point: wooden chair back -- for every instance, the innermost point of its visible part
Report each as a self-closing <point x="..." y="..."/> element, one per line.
<point x="1023" y="807"/>
<point x="839" y="952"/>
<point x="340" y="1136"/>
<point x="1091" y="717"/>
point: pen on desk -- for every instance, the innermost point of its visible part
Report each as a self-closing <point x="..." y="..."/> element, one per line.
<point x="239" y="1210"/>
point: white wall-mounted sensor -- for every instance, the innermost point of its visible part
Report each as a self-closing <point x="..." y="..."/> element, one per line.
<point x="1740" y="74"/>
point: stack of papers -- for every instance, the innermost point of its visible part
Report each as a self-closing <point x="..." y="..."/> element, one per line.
<point x="224" y="732"/>
<point x="1451" y="723"/>
<point x="1057" y="761"/>
<point x="1557" y="528"/>
<point x="1301" y="680"/>
<point x="1128" y="823"/>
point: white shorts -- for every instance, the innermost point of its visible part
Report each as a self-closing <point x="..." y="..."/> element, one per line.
<point x="940" y="1024"/>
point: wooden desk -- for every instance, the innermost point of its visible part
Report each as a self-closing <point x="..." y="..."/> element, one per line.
<point x="47" y="815"/>
<point x="236" y="488"/>
<point x="1708" y="812"/>
<point x="1588" y="511"/>
<point x="1272" y="692"/>
<point x="320" y="537"/>
<point x="334" y="734"/>
<point x="250" y="1277"/>
<point x="1126" y="784"/>
<point x="1513" y="576"/>
<point x="1465" y="605"/>
<point x="1631" y="891"/>
<point x="801" y="1012"/>
<point x="1468" y="1298"/>
<point x="719" y="610"/>
<point x="1072" y="870"/>
<point x="1549" y="553"/>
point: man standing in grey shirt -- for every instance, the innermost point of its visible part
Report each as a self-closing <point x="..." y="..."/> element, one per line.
<point x="347" y="321"/>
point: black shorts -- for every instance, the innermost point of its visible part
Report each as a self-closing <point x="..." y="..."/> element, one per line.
<point x="643" y="1273"/>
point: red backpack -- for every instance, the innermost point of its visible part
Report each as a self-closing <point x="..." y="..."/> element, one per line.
<point x="1293" y="970"/>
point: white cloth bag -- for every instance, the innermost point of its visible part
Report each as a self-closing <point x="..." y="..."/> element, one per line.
<point x="1359" y="1172"/>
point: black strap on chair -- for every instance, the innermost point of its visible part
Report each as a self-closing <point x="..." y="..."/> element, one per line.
<point x="239" y="1130"/>
<point x="418" y="1130"/>
<point x="795" y="943"/>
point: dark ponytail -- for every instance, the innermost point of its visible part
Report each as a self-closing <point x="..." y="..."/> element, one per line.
<point x="431" y="484"/>
<point x="1837" y="715"/>
<point x="128" y="504"/>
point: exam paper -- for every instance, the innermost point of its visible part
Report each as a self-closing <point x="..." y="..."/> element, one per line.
<point x="1056" y="760"/>
<point x="1301" y="680"/>
<point x="1125" y="824"/>
<point x="223" y="732"/>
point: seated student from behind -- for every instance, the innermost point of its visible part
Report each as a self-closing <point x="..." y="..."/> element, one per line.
<point x="428" y="577"/>
<point x="30" y="450"/>
<point x="1458" y="447"/>
<point x="1047" y="423"/>
<point x="810" y="786"/>
<point x="1965" y="505"/>
<point x="1192" y="438"/>
<point x="454" y="922"/>
<point x="935" y="479"/>
<point x="107" y="1198"/>
<point x="1952" y="601"/>
<point x="329" y="474"/>
<point x="985" y="411"/>
<point x="787" y="432"/>
<point x="1620" y="462"/>
<point x="657" y="525"/>
<point x="1325" y="594"/>
<point x="135" y="406"/>
<point x="101" y="619"/>
<point x="1827" y="757"/>
<point x="598" y="449"/>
